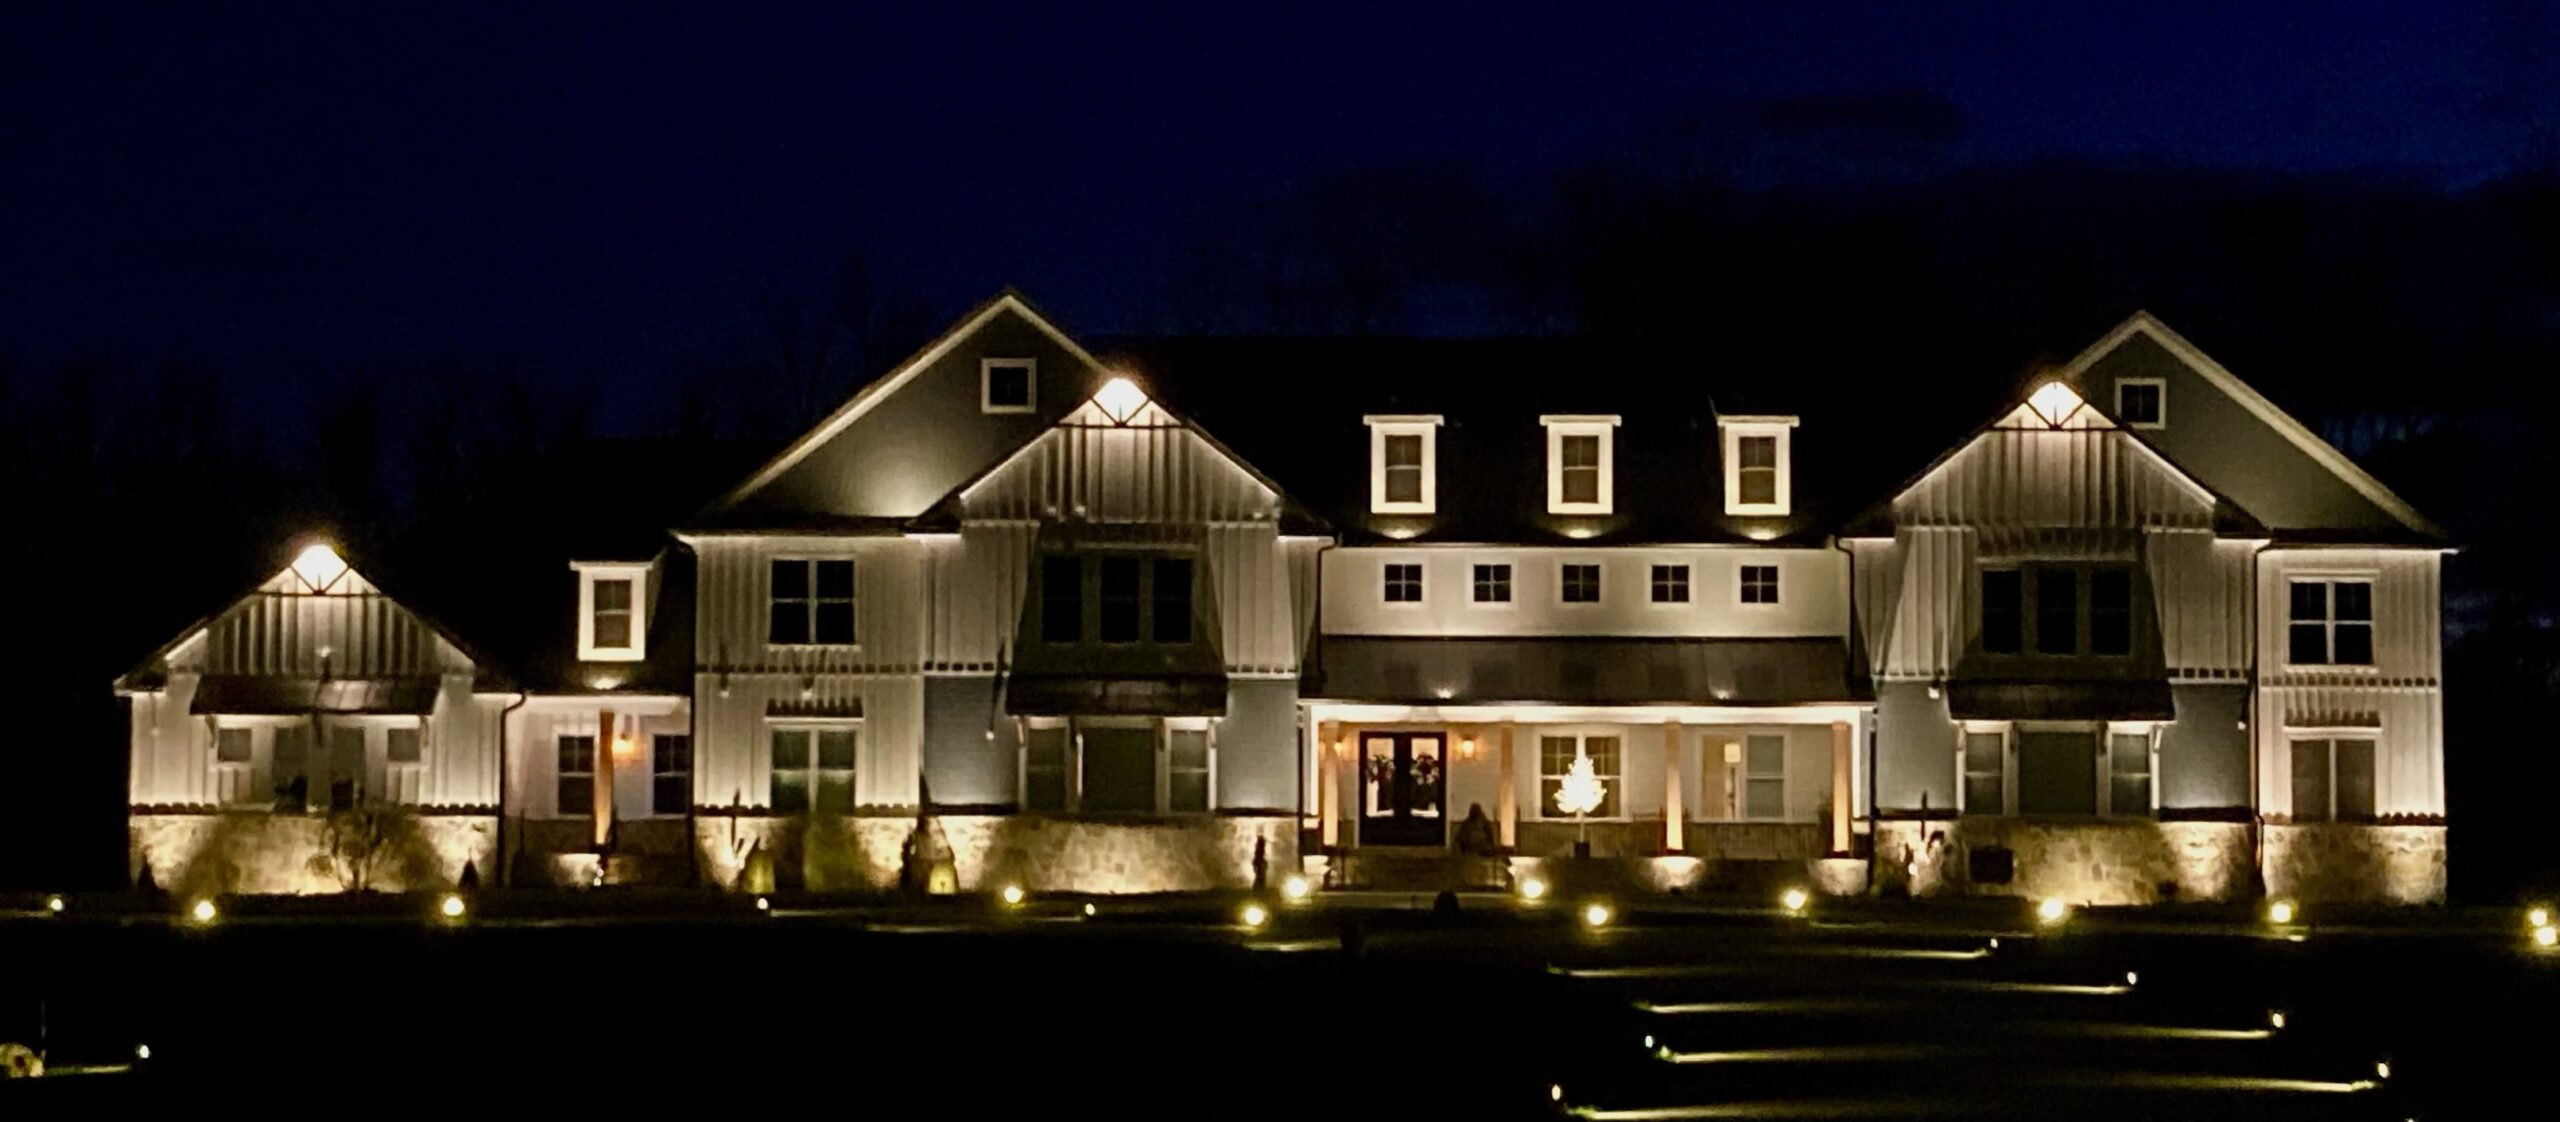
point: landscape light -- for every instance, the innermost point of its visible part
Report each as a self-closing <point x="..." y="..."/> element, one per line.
<point x="1254" y="915"/>
<point x="1532" y="888"/>
<point x="452" y="906"/>
<point x="2132" y="979"/>
<point x="2280" y="912"/>
<point x="1555" y="1092"/>
<point x="2546" y="936"/>
<point x="1595" y="915"/>
<point x="1012" y="895"/>
<point x="1088" y="911"/>
<point x="763" y="905"/>
<point x="54" y="904"/>
<point x="1294" y="889"/>
<point x="203" y="912"/>
<point x="141" y="1051"/>
<point x="2052" y="910"/>
<point x="2382" y="1069"/>
<point x="2539" y="917"/>
<point x="2275" y="1018"/>
<point x="1795" y="899"/>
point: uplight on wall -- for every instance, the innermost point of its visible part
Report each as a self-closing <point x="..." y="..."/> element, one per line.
<point x="2052" y="911"/>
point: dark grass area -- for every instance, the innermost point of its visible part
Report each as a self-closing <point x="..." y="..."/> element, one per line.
<point x="1166" y="1009"/>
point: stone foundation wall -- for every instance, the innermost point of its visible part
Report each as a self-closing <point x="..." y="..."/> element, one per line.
<point x="2357" y="864"/>
<point x="1720" y="856"/>
<point x="1040" y="853"/>
<point x="2085" y="862"/>
<point x="560" y="853"/>
<point x="256" y="853"/>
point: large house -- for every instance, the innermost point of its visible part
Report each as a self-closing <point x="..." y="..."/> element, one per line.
<point x="1189" y="613"/>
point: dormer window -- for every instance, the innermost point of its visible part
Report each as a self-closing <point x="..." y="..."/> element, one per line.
<point x="1403" y="464"/>
<point x="1579" y="464"/>
<point x="1008" y="385"/>
<point x="613" y="613"/>
<point x="2143" y="403"/>
<point x="1759" y="469"/>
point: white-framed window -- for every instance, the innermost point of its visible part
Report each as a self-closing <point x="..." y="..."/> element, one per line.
<point x="2142" y="403"/>
<point x="1492" y="583"/>
<point x="811" y="603"/>
<point x="2129" y="773"/>
<point x="1670" y="584"/>
<point x="1557" y="749"/>
<point x="1403" y="582"/>
<point x="613" y="611"/>
<point x="1579" y="464"/>
<point x="670" y="773"/>
<point x="574" y="793"/>
<point x="1008" y="385"/>
<point x="2333" y="775"/>
<point x="404" y="746"/>
<point x="1578" y="582"/>
<point x="2329" y="621"/>
<point x="1403" y="464"/>
<point x="1986" y="772"/>
<point x="1759" y="467"/>
<point x="1119" y="765"/>
<point x="1764" y="776"/>
<point x="1755" y="584"/>
<point x="813" y="766"/>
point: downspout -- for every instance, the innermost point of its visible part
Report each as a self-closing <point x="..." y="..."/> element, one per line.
<point x="504" y="865"/>
<point x="1310" y="731"/>
<point x="1855" y="643"/>
<point x="2249" y="716"/>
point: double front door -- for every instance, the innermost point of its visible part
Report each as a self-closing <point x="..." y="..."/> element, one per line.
<point x="1404" y="785"/>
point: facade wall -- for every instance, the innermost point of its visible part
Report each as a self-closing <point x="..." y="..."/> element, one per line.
<point x="220" y="853"/>
<point x="2398" y="701"/>
<point x="1812" y="593"/>
<point x="2204" y="754"/>
<point x="1039" y="852"/>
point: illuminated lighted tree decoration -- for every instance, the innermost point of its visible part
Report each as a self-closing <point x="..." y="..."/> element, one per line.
<point x="1578" y="794"/>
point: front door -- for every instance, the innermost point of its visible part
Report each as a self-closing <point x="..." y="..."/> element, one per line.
<point x="1405" y="786"/>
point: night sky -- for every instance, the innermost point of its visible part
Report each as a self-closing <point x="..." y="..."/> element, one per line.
<point x="594" y="192"/>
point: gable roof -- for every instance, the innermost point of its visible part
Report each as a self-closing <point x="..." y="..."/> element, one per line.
<point x="2266" y="411"/>
<point x="870" y="396"/>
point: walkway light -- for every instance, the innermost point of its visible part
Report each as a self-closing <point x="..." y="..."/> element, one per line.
<point x="1088" y="911"/>
<point x="54" y="904"/>
<point x="1012" y="895"/>
<point x="1294" y="889"/>
<point x="1254" y="915"/>
<point x="763" y="905"/>
<point x="204" y="911"/>
<point x="2280" y="912"/>
<point x="2546" y="936"/>
<point x="1595" y="915"/>
<point x="1533" y="889"/>
<point x="2275" y="1019"/>
<point x="2539" y="917"/>
<point x="452" y="906"/>
<point x="1795" y="899"/>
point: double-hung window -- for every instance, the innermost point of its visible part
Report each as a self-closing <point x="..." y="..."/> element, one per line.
<point x="813" y="768"/>
<point x="670" y="773"/>
<point x="1758" y="478"/>
<point x="2330" y="623"/>
<point x="1986" y="773"/>
<point x="613" y="620"/>
<point x="2129" y="774"/>
<point x="1556" y="755"/>
<point x="1764" y="776"/>
<point x="1579" y="464"/>
<point x="811" y="602"/>
<point x="577" y="776"/>
<point x="1403" y="464"/>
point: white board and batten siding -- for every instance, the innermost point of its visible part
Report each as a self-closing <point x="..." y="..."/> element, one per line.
<point x="277" y="631"/>
<point x="1811" y="593"/>
<point x="2042" y="494"/>
<point x="2398" y="701"/>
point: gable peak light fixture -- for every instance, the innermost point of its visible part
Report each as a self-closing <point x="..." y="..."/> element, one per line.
<point x="1119" y="399"/>
<point x="2054" y="402"/>
<point x="318" y="566"/>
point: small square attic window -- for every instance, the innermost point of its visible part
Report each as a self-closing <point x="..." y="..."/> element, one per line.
<point x="1008" y="385"/>
<point x="2143" y="403"/>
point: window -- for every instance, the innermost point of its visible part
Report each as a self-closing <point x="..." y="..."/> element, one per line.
<point x="670" y="773"/>
<point x="576" y="793"/>
<point x="287" y="764"/>
<point x="2331" y="623"/>
<point x="1172" y="601"/>
<point x="1119" y="769"/>
<point x="813" y="770"/>
<point x="1008" y="385"/>
<point x="1671" y="584"/>
<point x="1403" y="454"/>
<point x="231" y="746"/>
<point x="1493" y="584"/>
<point x="1044" y="768"/>
<point x="2129" y="775"/>
<point x="1578" y="464"/>
<point x="1556" y="753"/>
<point x="1061" y="600"/>
<point x="403" y="746"/>
<point x="1120" y="600"/>
<point x="2003" y="593"/>
<point x="1758" y="477"/>
<point x="2057" y="611"/>
<point x="1764" y="777"/>
<point x="1404" y="584"/>
<point x="1757" y="584"/>
<point x="2333" y="779"/>
<point x="1187" y="771"/>
<point x="613" y="623"/>
<point x="1580" y="584"/>
<point x="812" y="603"/>
<point x="2142" y="403"/>
<point x="2111" y="611"/>
<point x="1986" y="773"/>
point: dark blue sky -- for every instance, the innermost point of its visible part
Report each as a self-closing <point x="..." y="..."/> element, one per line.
<point x="595" y="189"/>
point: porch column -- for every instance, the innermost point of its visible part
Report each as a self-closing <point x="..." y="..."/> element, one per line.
<point x="1507" y="808"/>
<point x="1675" y="823"/>
<point x="607" y="762"/>
<point x="1841" y="811"/>
<point x="1328" y="784"/>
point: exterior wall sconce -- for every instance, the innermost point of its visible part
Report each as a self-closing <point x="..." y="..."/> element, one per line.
<point x="1466" y="747"/>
